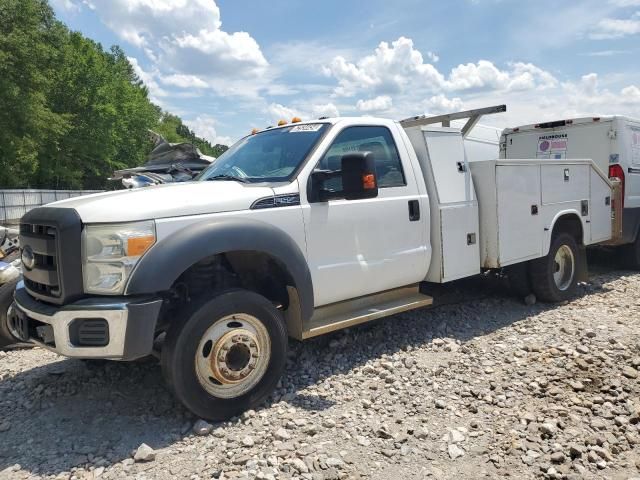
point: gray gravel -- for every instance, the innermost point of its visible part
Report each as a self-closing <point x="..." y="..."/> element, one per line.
<point x="485" y="388"/>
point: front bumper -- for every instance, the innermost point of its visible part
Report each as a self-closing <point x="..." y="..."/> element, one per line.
<point x="118" y="328"/>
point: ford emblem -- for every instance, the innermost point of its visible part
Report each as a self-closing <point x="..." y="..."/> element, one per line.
<point x="28" y="257"/>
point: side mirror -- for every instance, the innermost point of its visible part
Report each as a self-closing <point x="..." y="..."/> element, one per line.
<point x="355" y="180"/>
<point x="359" y="176"/>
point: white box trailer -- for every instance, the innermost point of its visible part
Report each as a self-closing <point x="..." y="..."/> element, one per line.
<point x="612" y="142"/>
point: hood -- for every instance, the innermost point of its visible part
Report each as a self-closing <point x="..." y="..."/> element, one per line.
<point x="169" y="200"/>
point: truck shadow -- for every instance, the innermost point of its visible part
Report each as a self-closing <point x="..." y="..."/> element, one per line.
<point x="68" y="414"/>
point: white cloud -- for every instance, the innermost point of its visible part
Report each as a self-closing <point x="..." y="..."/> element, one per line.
<point x="435" y="58"/>
<point x="477" y="75"/>
<point x="390" y="68"/>
<point x="625" y="3"/>
<point x="400" y="68"/>
<point x="68" y="5"/>
<point x="381" y="103"/>
<point x="307" y="111"/>
<point x="441" y="104"/>
<point x="485" y="75"/>
<point x="615" y="27"/>
<point x="606" y="53"/>
<point x="324" y="110"/>
<point x="631" y="93"/>
<point x="184" y="81"/>
<point x="185" y="41"/>
<point x="149" y="79"/>
<point x="204" y="127"/>
<point x="279" y="112"/>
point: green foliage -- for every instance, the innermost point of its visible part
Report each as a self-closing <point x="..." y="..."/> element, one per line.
<point x="70" y="112"/>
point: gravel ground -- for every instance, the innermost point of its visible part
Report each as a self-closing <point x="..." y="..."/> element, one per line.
<point x="484" y="388"/>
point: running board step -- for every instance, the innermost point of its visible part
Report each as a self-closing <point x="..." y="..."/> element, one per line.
<point x="364" y="309"/>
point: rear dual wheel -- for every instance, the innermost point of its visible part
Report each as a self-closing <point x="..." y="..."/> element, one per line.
<point x="631" y="254"/>
<point x="226" y="355"/>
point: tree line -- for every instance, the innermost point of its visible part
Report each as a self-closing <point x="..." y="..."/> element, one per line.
<point x="71" y="112"/>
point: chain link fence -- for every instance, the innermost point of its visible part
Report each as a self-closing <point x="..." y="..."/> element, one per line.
<point x="15" y="203"/>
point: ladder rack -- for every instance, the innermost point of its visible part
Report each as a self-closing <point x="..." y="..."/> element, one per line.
<point x="446" y="119"/>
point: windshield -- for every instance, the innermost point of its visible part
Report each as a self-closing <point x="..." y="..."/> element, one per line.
<point x="269" y="156"/>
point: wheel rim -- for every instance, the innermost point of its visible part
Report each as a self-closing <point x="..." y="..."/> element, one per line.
<point x="233" y="355"/>
<point x="564" y="268"/>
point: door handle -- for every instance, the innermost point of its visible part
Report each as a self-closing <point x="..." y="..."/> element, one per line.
<point x="414" y="210"/>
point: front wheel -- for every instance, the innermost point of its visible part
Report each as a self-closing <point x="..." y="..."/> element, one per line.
<point x="555" y="276"/>
<point x="6" y="298"/>
<point x="226" y="355"/>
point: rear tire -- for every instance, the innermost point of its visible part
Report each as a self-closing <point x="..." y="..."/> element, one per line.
<point x="519" y="279"/>
<point x="226" y="355"/>
<point x="6" y="298"/>
<point x="555" y="276"/>
<point x="631" y="255"/>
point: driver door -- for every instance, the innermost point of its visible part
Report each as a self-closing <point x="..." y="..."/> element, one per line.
<point x="360" y="247"/>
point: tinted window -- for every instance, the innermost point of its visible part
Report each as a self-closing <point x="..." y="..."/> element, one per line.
<point x="377" y="140"/>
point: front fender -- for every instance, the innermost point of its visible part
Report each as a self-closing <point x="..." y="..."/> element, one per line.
<point x="173" y="255"/>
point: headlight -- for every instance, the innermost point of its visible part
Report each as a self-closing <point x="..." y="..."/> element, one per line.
<point x="109" y="253"/>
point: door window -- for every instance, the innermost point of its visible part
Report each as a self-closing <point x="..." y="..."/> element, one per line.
<point x="377" y="140"/>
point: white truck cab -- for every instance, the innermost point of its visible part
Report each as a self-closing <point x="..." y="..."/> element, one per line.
<point x="295" y="231"/>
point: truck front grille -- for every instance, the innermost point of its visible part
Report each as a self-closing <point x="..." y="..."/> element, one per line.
<point x="42" y="277"/>
<point x="50" y="243"/>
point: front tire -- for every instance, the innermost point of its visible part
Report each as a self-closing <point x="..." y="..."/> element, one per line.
<point x="226" y="355"/>
<point x="555" y="276"/>
<point x="6" y="298"/>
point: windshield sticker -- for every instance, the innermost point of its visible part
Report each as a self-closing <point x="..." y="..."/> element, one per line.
<point x="552" y="146"/>
<point x="309" y="127"/>
<point x="635" y="145"/>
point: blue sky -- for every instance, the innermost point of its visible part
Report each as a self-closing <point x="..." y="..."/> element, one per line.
<point x="227" y="66"/>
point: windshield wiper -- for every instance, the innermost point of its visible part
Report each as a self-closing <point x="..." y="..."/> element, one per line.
<point x="228" y="177"/>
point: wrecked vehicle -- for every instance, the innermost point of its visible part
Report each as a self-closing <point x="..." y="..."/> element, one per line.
<point x="167" y="163"/>
<point x="10" y="274"/>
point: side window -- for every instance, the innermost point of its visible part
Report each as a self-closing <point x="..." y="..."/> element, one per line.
<point x="377" y="140"/>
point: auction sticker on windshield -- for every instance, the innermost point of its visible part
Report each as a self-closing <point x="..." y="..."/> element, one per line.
<point x="309" y="127"/>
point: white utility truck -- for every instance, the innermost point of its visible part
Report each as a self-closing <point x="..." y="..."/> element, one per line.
<point x="614" y="145"/>
<point x="295" y="231"/>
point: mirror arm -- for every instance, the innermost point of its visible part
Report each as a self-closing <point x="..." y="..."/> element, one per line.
<point x="327" y="174"/>
<point x="320" y="194"/>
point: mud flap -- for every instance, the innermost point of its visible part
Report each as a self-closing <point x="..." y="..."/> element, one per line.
<point x="581" y="264"/>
